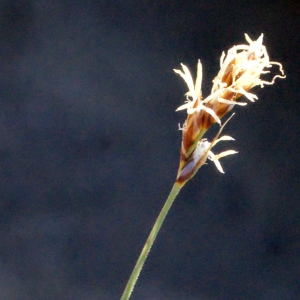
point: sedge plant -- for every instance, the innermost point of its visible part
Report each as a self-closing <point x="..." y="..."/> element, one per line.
<point x="240" y="70"/>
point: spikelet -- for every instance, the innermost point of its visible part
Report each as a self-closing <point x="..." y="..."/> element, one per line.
<point x="240" y="70"/>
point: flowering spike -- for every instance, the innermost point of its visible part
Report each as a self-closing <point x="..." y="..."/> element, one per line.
<point x="240" y="70"/>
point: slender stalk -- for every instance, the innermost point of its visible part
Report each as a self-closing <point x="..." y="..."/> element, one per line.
<point x="150" y="240"/>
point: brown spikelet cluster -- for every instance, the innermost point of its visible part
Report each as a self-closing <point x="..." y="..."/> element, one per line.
<point x="240" y="70"/>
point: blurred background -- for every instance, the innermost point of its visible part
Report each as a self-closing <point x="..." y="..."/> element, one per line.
<point x="89" y="150"/>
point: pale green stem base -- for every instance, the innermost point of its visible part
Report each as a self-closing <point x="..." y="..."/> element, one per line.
<point x="150" y="240"/>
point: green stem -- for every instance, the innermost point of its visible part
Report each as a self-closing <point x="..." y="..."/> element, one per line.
<point x="150" y="240"/>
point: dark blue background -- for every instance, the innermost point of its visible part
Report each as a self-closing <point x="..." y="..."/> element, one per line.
<point x="89" y="149"/>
